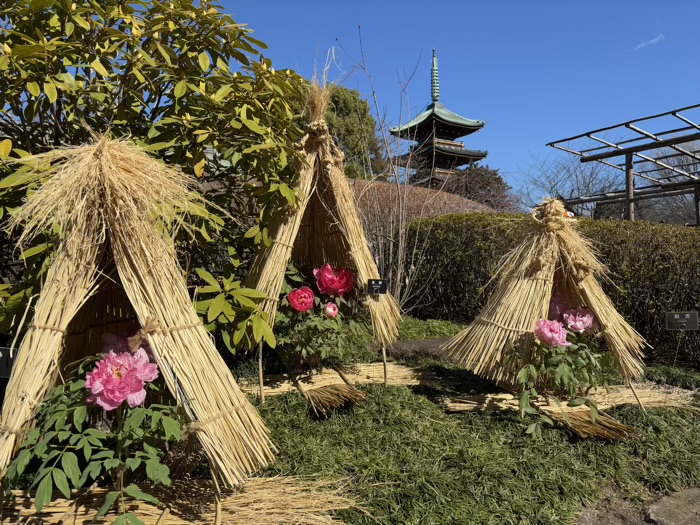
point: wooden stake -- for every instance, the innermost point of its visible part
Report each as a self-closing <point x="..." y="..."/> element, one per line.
<point x="629" y="186"/>
<point x="217" y="496"/>
<point x="342" y="375"/>
<point x="163" y="516"/>
<point x="629" y="383"/>
<point x="386" y="371"/>
<point x="260" y="374"/>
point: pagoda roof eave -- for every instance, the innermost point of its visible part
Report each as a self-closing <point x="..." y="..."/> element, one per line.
<point x="471" y="154"/>
<point x="468" y="155"/>
<point x="437" y="111"/>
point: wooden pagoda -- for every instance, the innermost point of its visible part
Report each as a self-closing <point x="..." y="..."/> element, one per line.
<point x="437" y="155"/>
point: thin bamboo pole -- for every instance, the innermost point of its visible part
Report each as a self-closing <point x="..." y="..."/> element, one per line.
<point x="386" y="371"/>
<point x="261" y="379"/>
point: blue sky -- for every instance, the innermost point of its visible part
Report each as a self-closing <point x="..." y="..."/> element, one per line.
<point x="536" y="71"/>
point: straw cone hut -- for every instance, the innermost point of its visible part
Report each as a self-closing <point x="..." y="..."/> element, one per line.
<point x="552" y="258"/>
<point x="115" y="264"/>
<point x="322" y="227"/>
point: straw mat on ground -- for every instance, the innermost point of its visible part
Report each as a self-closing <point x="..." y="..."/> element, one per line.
<point x="553" y="257"/>
<point x="361" y="374"/>
<point x="115" y="264"/>
<point x="578" y="418"/>
<point x="322" y="227"/>
<point x="263" y="501"/>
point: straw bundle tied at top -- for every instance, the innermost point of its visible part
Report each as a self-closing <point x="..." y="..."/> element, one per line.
<point x="322" y="227"/>
<point x="103" y="199"/>
<point x="553" y="257"/>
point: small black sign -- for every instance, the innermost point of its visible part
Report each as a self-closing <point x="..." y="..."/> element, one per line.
<point x="682" y="321"/>
<point x="6" y="362"/>
<point x="377" y="286"/>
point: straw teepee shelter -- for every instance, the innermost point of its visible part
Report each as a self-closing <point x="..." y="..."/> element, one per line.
<point x="323" y="226"/>
<point x="552" y="258"/>
<point x="115" y="264"/>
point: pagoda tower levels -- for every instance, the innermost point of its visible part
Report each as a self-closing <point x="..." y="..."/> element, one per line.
<point x="436" y="156"/>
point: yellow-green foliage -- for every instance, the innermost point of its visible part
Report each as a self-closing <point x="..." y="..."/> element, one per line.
<point x="180" y="78"/>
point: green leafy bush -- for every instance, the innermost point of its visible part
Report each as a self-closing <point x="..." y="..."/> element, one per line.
<point x="562" y="373"/>
<point x="653" y="269"/>
<point x="76" y="444"/>
<point x="316" y="324"/>
<point x="179" y="78"/>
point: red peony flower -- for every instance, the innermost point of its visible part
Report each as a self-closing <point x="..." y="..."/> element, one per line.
<point x="333" y="281"/>
<point x="302" y="299"/>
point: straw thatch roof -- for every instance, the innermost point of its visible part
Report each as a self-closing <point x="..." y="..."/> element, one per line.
<point x="552" y="258"/>
<point x="372" y="198"/>
<point x="322" y="227"/>
<point x="115" y="265"/>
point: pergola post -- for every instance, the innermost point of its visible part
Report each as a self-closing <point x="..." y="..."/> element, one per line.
<point x="629" y="186"/>
<point x="696" y="195"/>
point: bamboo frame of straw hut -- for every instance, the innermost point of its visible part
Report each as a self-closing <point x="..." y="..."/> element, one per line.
<point x="553" y="257"/>
<point x="115" y="263"/>
<point x="322" y="227"/>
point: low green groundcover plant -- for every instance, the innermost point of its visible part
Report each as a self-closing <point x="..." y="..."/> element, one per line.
<point x="410" y="463"/>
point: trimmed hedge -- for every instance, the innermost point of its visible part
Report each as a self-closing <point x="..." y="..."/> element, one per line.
<point x="655" y="268"/>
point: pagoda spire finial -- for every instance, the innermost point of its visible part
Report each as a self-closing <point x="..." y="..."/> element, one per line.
<point x="434" y="80"/>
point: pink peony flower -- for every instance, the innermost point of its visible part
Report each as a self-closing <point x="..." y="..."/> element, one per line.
<point x="333" y="281"/>
<point x="557" y="307"/>
<point x="120" y="377"/>
<point x="302" y="299"/>
<point x="331" y="310"/>
<point x="580" y="320"/>
<point x="552" y="333"/>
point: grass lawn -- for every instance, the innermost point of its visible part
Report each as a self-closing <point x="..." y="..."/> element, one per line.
<point x="410" y="463"/>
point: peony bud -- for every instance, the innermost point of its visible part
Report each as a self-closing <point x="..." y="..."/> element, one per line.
<point x="331" y="310"/>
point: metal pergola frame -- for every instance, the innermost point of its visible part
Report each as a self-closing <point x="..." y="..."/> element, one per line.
<point x="664" y="177"/>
